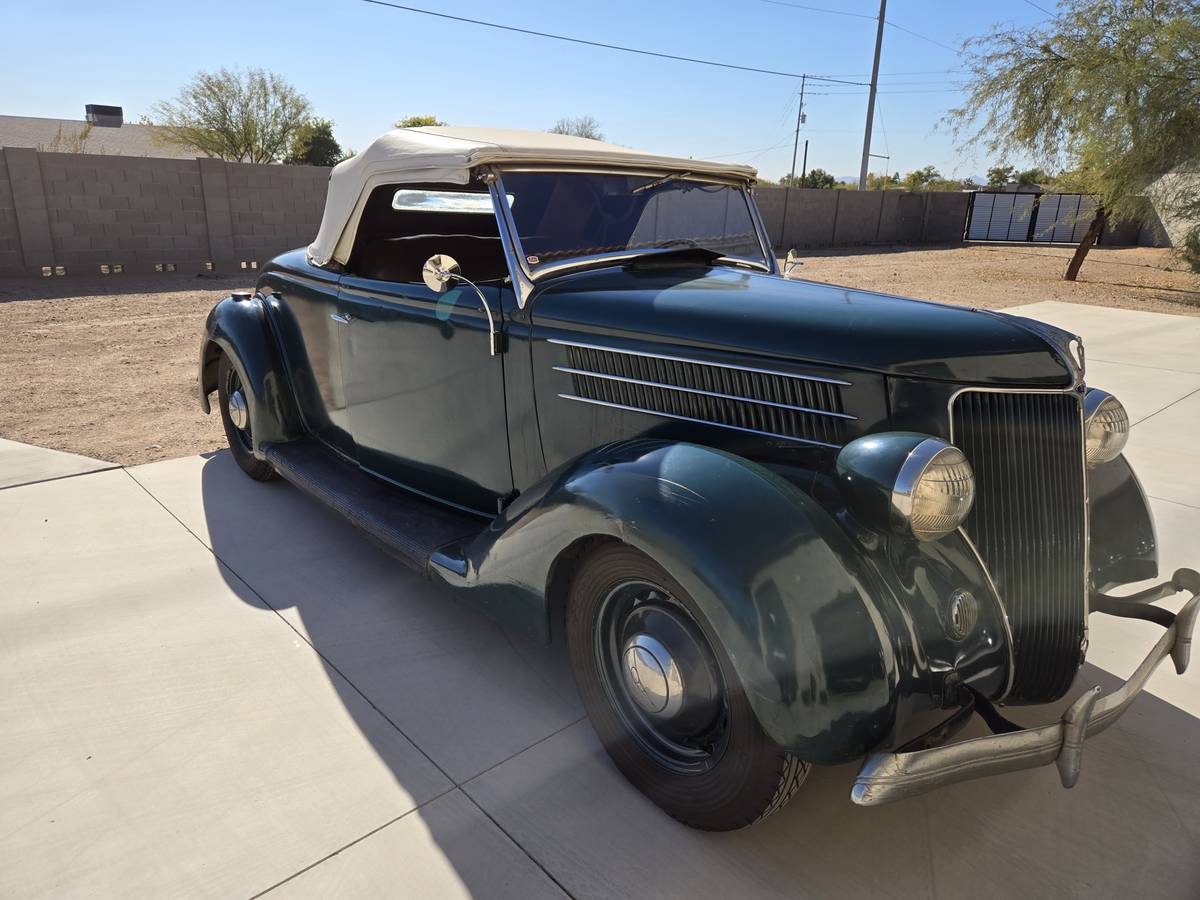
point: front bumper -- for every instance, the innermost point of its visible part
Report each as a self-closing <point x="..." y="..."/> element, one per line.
<point x="893" y="776"/>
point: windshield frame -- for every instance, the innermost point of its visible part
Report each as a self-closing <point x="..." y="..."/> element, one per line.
<point x="524" y="278"/>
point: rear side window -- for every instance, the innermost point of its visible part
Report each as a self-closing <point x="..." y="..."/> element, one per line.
<point x="404" y="225"/>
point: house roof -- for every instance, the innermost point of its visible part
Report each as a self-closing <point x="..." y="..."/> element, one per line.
<point x="63" y="136"/>
<point x="447" y="154"/>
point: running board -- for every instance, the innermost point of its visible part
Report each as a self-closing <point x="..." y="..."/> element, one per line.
<point x="405" y="525"/>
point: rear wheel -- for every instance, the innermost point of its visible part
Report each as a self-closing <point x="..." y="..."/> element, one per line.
<point x="664" y="699"/>
<point x="235" y="416"/>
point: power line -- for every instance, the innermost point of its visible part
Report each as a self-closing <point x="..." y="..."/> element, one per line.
<point x="861" y="93"/>
<point x="821" y="9"/>
<point x="883" y="128"/>
<point x="575" y="40"/>
<point x="951" y="81"/>
<point x="1041" y="8"/>
<point x="927" y="72"/>
<point x="842" y="12"/>
<point x="757" y="150"/>
<point x="900" y="74"/>
<point x="917" y="34"/>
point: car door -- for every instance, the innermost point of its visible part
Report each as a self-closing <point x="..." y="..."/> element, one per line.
<point x="305" y="313"/>
<point x="426" y="395"/>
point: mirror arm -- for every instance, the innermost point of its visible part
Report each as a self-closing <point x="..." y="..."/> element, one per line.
<point x="495" y="338"/>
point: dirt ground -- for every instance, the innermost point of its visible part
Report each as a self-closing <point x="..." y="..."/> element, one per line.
<point x="996" y="275"/>
<point x="106" y="367"/>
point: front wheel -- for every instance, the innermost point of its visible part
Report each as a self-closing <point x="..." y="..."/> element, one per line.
<point x="234" y="402"/>
<point x="664" y="699"/>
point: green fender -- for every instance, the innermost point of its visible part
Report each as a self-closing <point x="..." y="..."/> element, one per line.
<point x="239" y="327"/>
<point x="814" y="634"/>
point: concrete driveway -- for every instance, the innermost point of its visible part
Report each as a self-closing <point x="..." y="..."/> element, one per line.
<point x="210" y="686"/>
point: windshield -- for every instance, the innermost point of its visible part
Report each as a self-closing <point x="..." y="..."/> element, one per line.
<point x="564" y="215"/>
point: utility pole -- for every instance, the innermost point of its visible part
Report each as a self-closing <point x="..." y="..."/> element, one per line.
<point x="862" y="172"/>
<point x="804" y="165"/>
<point x="787" y="191"/>
<point x="799" y="122"/>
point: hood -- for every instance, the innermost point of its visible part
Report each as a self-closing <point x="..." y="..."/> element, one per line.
<point x="741" y="311"/>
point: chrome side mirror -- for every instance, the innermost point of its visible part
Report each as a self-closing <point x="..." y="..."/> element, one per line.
<point x="439" y="271"/>
<point x="791" y="263"/>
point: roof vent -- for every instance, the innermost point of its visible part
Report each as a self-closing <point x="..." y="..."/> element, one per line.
<point x="105" y="116"/>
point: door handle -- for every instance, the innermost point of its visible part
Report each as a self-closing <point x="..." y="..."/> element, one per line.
<point x="340" y="318"/>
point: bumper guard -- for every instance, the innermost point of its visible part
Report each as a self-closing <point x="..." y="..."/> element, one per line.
<point x="895" y="775"/>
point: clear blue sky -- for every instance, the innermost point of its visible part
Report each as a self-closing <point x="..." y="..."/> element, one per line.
<point x="364" y="66"/>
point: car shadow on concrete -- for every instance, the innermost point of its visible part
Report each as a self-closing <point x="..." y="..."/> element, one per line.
<point x="467" y="694"/>
<point x="499" y="715"/>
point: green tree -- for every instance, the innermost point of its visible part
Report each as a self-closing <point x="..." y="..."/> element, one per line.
<point x="246" y="116"/>
<point x="313" y="144"/>
<point x="999" y="176"/>
<point x="1109" y="88"/>
<point x="949" y="184"/>
<point x="418" y="122"/>
<point x="579" y="126"/>
<point x="920" y="179"/>
<point x="813" y="178"/>
<point x="1034" y="176"/>
<point x="877" y="181"/>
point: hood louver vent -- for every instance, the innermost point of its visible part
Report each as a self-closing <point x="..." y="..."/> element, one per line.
<point x="801" y="408"/>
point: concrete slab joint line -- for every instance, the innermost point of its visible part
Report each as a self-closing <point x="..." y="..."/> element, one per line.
<point x="1165" y="408"/>
<point x="25" y="464"/>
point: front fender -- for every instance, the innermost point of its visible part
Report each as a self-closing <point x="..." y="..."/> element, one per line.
<point x="238" y="327"/>
<point x="1122" y="543"/>
<point x="813" y="632"/>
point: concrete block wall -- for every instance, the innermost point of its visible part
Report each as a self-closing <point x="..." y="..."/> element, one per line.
<point x="84" y="210"/>
<point x="945" y="216"/>
<point x="275" y="206"/>
<point x="10" y="241"/>
<point x="839" y="218"/>
<point x="31" y="220"/>
<point x="901" y="215"/>
<point x="111" y="209"/>
<point x="857" y="219"/>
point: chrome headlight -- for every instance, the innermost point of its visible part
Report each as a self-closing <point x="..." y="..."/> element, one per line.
<point x="934" y="490"/>
<point x="913" y="484"/>
<point x="1106" y="427"/>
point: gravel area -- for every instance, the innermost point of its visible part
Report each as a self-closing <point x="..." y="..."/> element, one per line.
<point x="106" y="367"/>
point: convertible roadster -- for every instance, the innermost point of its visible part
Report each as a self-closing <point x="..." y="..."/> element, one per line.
<point x="778" y="523"/>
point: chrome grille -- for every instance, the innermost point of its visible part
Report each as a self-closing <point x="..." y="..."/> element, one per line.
<point x="1029" y="525"/>
<point x="776" y="404"/>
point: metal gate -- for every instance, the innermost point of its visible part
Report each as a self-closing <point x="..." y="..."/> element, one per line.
<point x="1029" y="217"/>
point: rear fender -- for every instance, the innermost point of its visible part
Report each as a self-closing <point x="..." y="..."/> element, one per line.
<point x="238" y="327"/>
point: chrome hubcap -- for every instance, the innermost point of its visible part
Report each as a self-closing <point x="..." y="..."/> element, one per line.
<point x="652" y="676"/>
<point x="238" y="413"/>
<point x="661" y="677"/>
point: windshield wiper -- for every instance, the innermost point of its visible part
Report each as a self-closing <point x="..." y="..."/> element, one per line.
<point x="650" y="185"/>
<point x="676" y="245"/>
<point x="674" y="255"/>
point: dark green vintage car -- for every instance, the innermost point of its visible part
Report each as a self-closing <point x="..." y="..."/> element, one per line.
<point x="778" y="523"/>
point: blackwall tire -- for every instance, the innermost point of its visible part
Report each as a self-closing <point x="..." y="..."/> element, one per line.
<point x="723" y="773"/>
<point x="240" y="439"/>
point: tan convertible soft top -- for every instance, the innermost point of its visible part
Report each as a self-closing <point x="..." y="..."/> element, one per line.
<point x="444" y="154"/>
